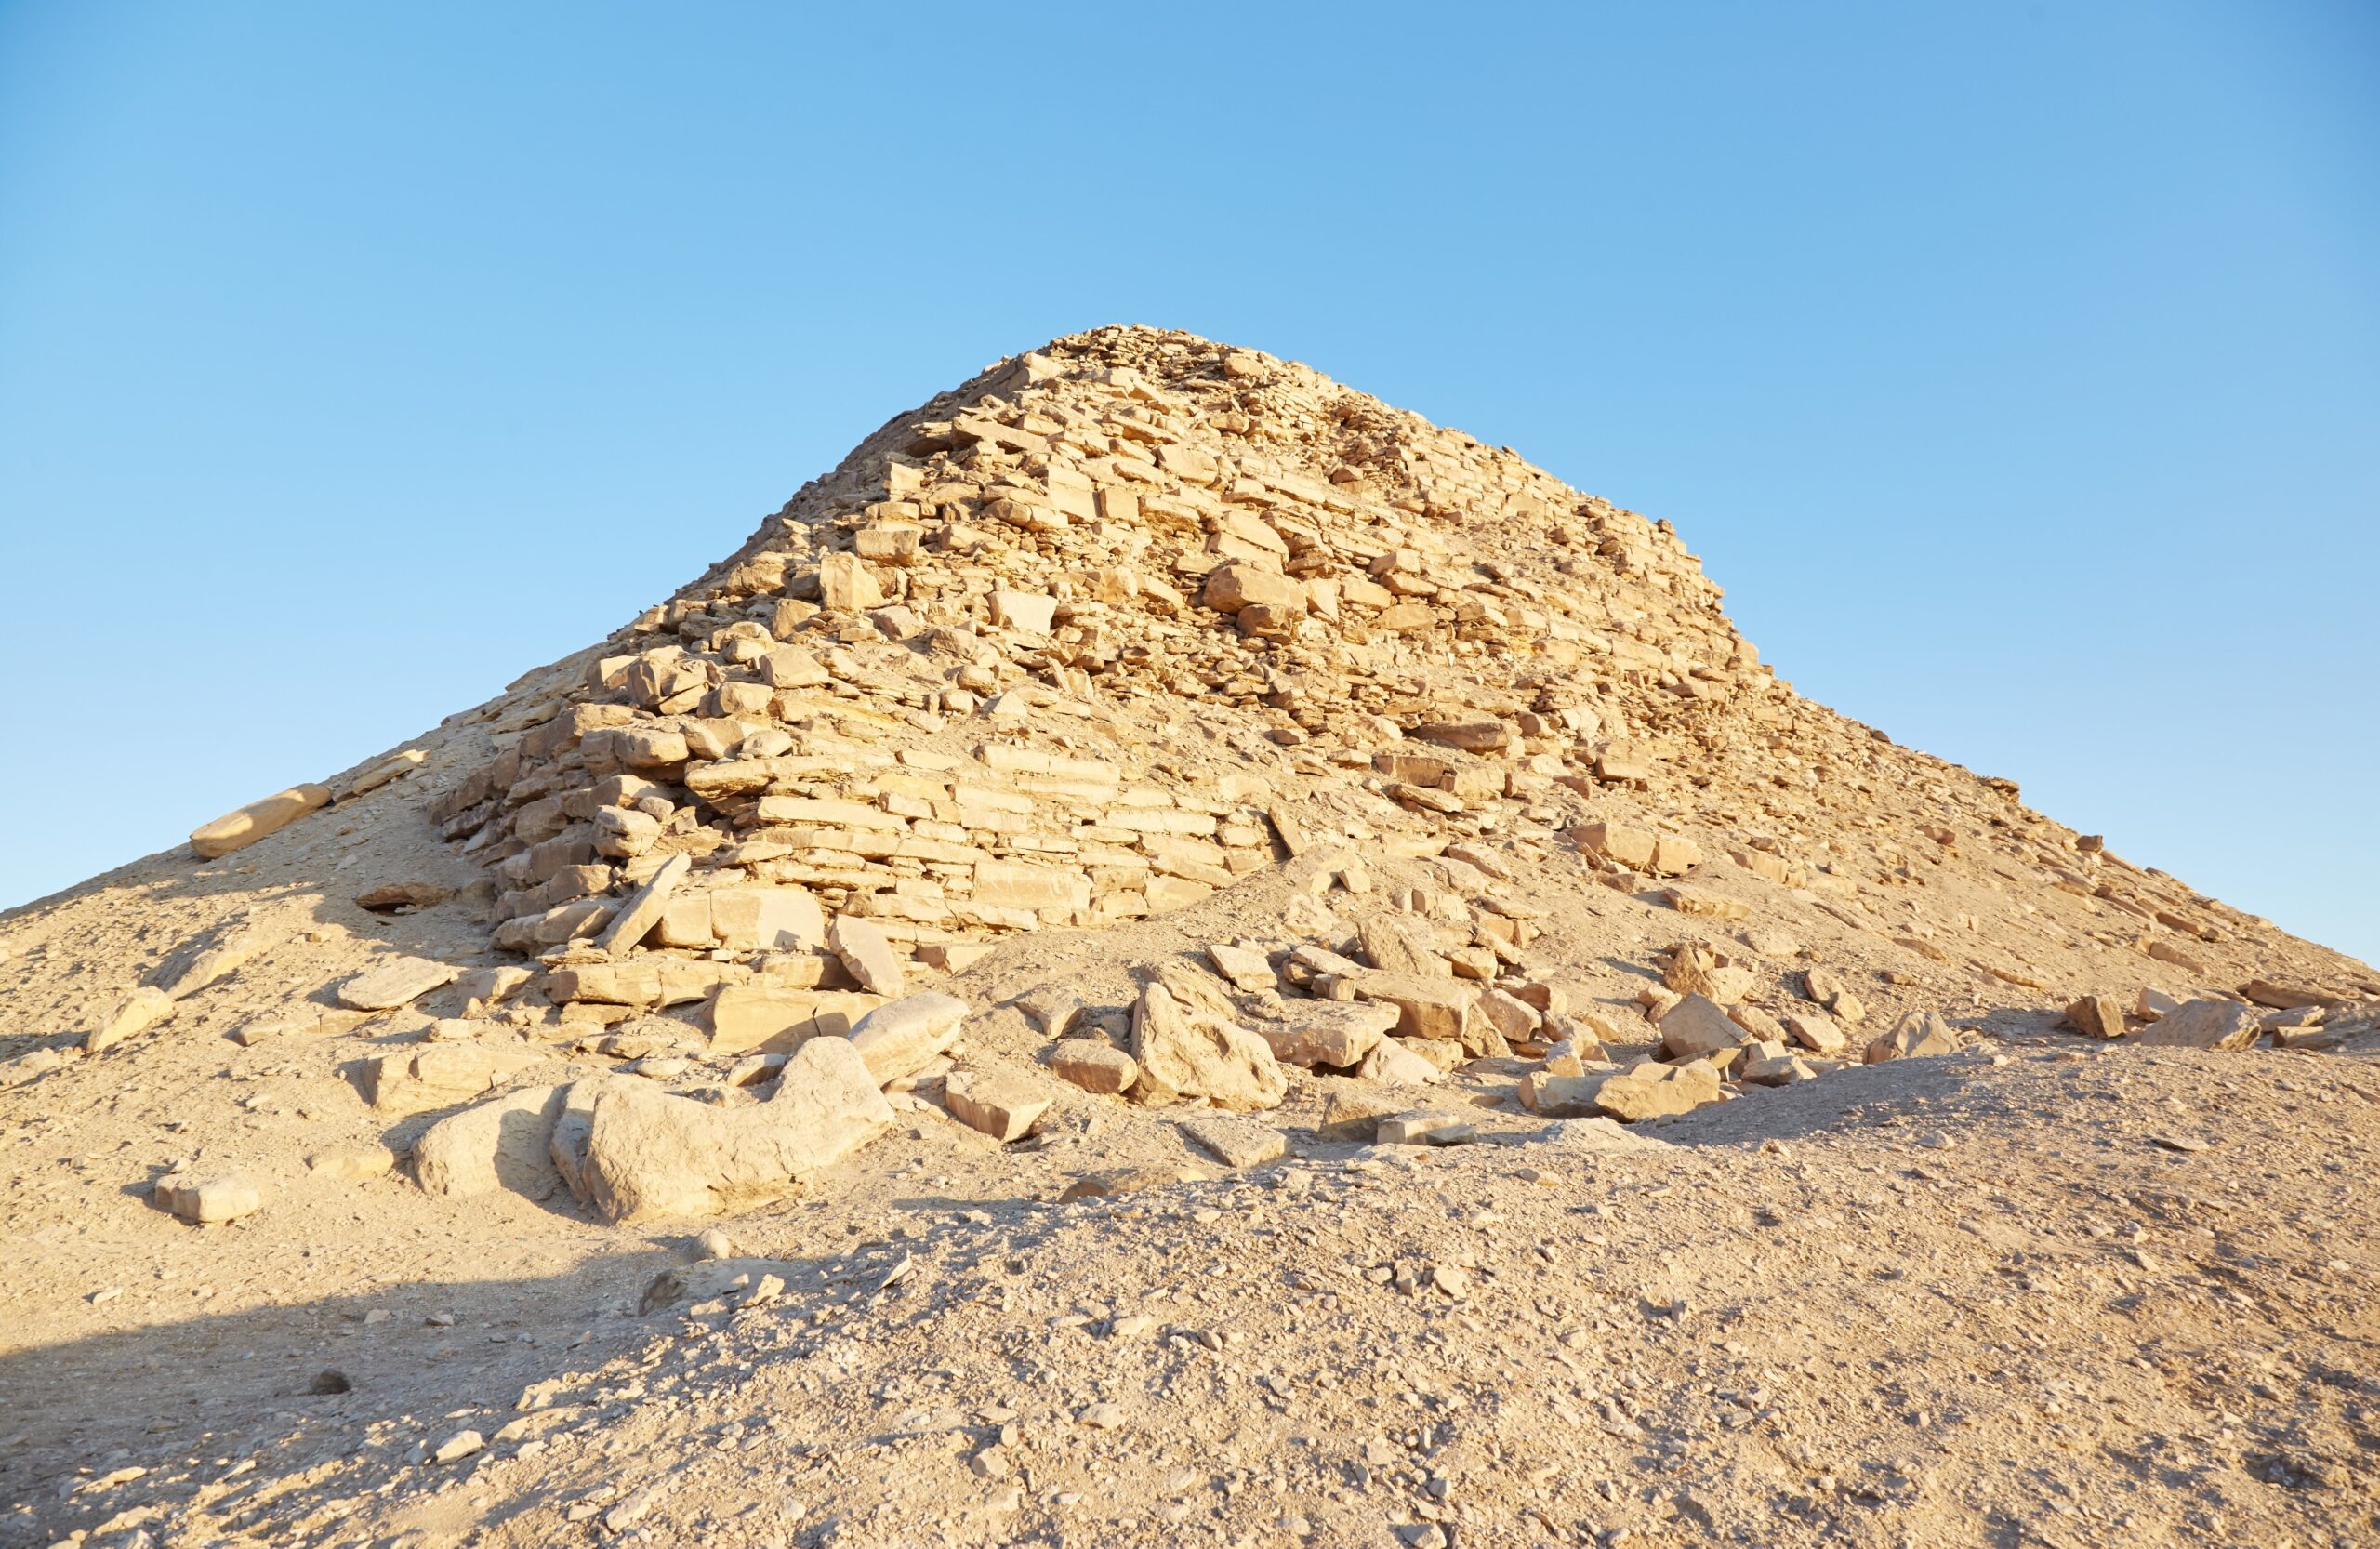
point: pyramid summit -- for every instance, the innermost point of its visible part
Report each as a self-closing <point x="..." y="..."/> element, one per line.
<point x="1164" y="921"/>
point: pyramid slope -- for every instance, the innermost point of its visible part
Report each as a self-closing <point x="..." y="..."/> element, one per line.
<point x="1142" y="691"/>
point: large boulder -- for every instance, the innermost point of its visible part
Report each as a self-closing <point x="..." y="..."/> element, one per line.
<point x="1693" y="969"/>
<point x="1427" y="1006"/>
<point x="504" y="1142"/>
<point x="1696" y="1026"/>
<point x="1335" y="1033"/>
<point x="901" y="1037"/>
<point x="1916" y="1036"/>
<point x="2208" y="1023"/>
<point x="1184" y="1052"/>
<point x="1647" y="1090"/>
<point x="652" y="1153"/>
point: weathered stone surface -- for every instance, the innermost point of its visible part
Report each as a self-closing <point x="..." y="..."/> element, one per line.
<point x="1023" y="610"/>
<point x="1696" y="1026"/>
<point x="1633" y="848"/>
<point x="1816" y="1031"/>
<point x="353" y="1163"/>
<point x="1246" y="970"/>
<point x="779" y="1018"/>
<point x="2206" y="1024"/>
<point x="1425" y="1127"/>
<point x="1327" y="1032"/>
<point x="1233" y="587"/>
<point x="1016" y="885"/>
<point x="1483" y="735"/>
<point x="1693" y="969"/>
<point x="1391" y="1060"/>
<point x="1191" y="1052"/>
<point x="239" y="829"/>
<point x="869" y="955"/>
<point x="847" y="585"/>
<point x="995" y="1102"/>
<point x="1426" y="1006"/>
<point x="644" y="908"/>
<point x="1649" y="1089"/>
<point x="766" y="918"/>
<point x="901" y="1037"/>
<point x="438" y="1075"/>
<point x="2097" y="1016"/>
<point x="136" y="1014"/>
<point x="503" y="1143"/>
<point x="652" y="1153"/>
<point x="1776" y="1070"/>
<point x="208" y="1201"/>
<point x="1392" y="947"/>
<point x="1915" y="1036"/>
<point x="2281" y="997"/>
<point x="395" y="983"/>
<point x="1235" y="1142"/>
<point x="1095" y="1067"/>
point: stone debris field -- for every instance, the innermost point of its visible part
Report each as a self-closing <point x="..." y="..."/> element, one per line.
<point x="1173" y="955"/>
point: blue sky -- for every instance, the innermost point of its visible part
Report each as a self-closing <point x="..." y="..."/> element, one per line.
<point x="2015" y="368"/>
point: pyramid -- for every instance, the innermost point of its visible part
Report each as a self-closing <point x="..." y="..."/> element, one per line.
<point x="1184" y="804"/>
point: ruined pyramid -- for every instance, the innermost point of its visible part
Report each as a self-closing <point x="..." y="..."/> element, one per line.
<point x="1148" y="761"/>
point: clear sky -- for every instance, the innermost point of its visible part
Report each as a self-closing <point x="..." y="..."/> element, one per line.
<point x="2015" y="368"/>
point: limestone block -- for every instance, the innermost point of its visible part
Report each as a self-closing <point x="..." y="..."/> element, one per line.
<point x="2097" y="1016"/>
<point x="503" y="1143"/>
<point x="1696" y="1026"/>
<point x="901" y="1037"/>
<point x="998" y="1104"/>
<point x="1093" y="1066"/>
<point x="239" y="829"/>
<point x="1329" y="1033"/>
<point x="767" y="918"/>
<point x="644" y="908"/>
<point x="652" y="1153"/>
<point x="869" y="956"/>
<point x="1235" y="586"/>
<point x="135" y="1014"/>
<point x="395" y="983"/>
<point x="208" y="1201"/>
<point x="2205" y="1024"/>
<point x="1193" y="1053"/>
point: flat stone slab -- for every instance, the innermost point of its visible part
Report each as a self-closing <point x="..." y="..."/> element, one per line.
<point x="395" y="983"/>
<point x="1235" y="1142"/>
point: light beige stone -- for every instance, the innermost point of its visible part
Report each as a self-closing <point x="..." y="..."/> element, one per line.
<point x="1095" y="1067"/>
<point x="1187" y="1052"/>
<point x="2205" y="1023"/>
<point x="208" y="1201"/>
<point x="1694" y="1027"/>
<point x="2097" y="1016"/>
<point x="239" y="829"/>
<point x="397" y="982"/>
<point x="901" y="1037"/>
<point x="650" y="1154"/>
<point x="998" y="1104"/>
<point x="503" y="1143"/>
<point x="645" y="907"/>
<point x="865" y="951"/>
<point x="142" y="1009"/>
